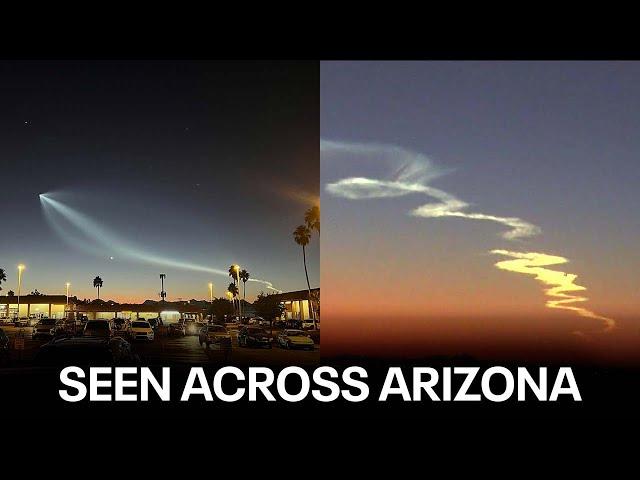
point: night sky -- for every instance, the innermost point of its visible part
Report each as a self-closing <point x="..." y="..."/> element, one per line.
<point x="208" y="163"/>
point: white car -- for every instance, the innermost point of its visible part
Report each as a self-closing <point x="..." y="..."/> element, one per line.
<point x="141" y="330"/>
<point x="308" y="323"/>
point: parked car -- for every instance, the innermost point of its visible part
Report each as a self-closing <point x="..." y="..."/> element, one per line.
<point x="214" y="335"/>
<point x="48" y="327"/>
<point x="97" y="328"/>
<point x="32" y="320"/>
<point x="119" y="323"/>
<point x="21" y="322"/>
<point x="293" y="324"/>
<point x="232" y="326"/>
<point x="295" y="339"/>
<point x="69" y="326"/>
<point x="264" y="323"/>
<point x="191" y="327"/>
<point x="155" y="322"/>
<point x="4" y="348"/>
<point x="308" y="324"/>
<point x="141" y="330"/>
<point x="86" y="351"/>
<point x="254" y="336"/>
<point x="177" y="328"/>
<point x="280" y="324"/>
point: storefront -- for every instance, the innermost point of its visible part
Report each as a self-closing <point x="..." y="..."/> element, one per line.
<point x="296" y="303"/>
<point x="33" y="306"/>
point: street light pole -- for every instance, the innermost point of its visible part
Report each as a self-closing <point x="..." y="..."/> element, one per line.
<point x="163" y="294"/>
<point x="211" y="299"/>
<point x="20" y="268"/>
<point x="66" y="313"/>
<point x="230" y="297"/>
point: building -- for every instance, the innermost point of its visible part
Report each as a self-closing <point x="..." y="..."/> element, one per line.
<point x="56" y="306"/>
<point x="297" y="303"/>
<point x="33" y="306"/>
<point x="170" y="312"/>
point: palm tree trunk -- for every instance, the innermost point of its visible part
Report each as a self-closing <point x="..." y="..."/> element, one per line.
<point x="313" y="316"/>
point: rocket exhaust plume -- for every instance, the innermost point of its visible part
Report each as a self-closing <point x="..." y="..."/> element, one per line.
<point x="562" y="286"/>
<point x="410" y="174"/>
<point x="93" y="238"/>
<point x="400" y="172"/>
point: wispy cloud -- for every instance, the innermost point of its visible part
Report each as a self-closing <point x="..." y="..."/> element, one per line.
<point x="410" y="173"/>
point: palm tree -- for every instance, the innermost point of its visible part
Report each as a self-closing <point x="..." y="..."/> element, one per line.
<point x="233" y="289"/>
<point x="302" y="235"/>
<point x="3" y="277"/>
<point x="234" y="270"/>
<point x="97" y="283"/>
<point x="244" y="276"/>
<point x="312" y="219"/>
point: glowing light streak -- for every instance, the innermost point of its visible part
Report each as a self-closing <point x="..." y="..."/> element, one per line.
<point x="562" y="284"/>
<point x="93" y="238"/>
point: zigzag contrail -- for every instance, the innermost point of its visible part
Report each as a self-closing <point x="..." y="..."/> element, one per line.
<point x="532" y="263"/>
<point x="412" y="176"/>
<point x="108" y="241"/>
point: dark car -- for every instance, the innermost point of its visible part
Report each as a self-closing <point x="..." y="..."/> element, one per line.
<point x="48" y="327"/>
<point x="97" y="328"/>
<point x="255" y="337"/>
<point x="119" y="323"/>
<point x="294" y="324"/>
<point x="66" y="327"/>
<point x="4" y="347"/>
<point x="155" y="322"/>
<point x="86" y="351"/>
<point x="214" y="335"/>
<point x="177" y="328"/>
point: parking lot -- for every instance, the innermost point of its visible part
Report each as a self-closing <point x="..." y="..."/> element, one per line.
<point x="174" y="350"/>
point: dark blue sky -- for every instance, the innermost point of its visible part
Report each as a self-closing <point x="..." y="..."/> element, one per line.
<point x="196" y="161"/>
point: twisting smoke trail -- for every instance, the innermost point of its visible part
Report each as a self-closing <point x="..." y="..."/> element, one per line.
<point x="405" y="172"/>
<point x="562" y="284"/>
<point x="101" y="240"/>
<point x="411" y="177"/>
